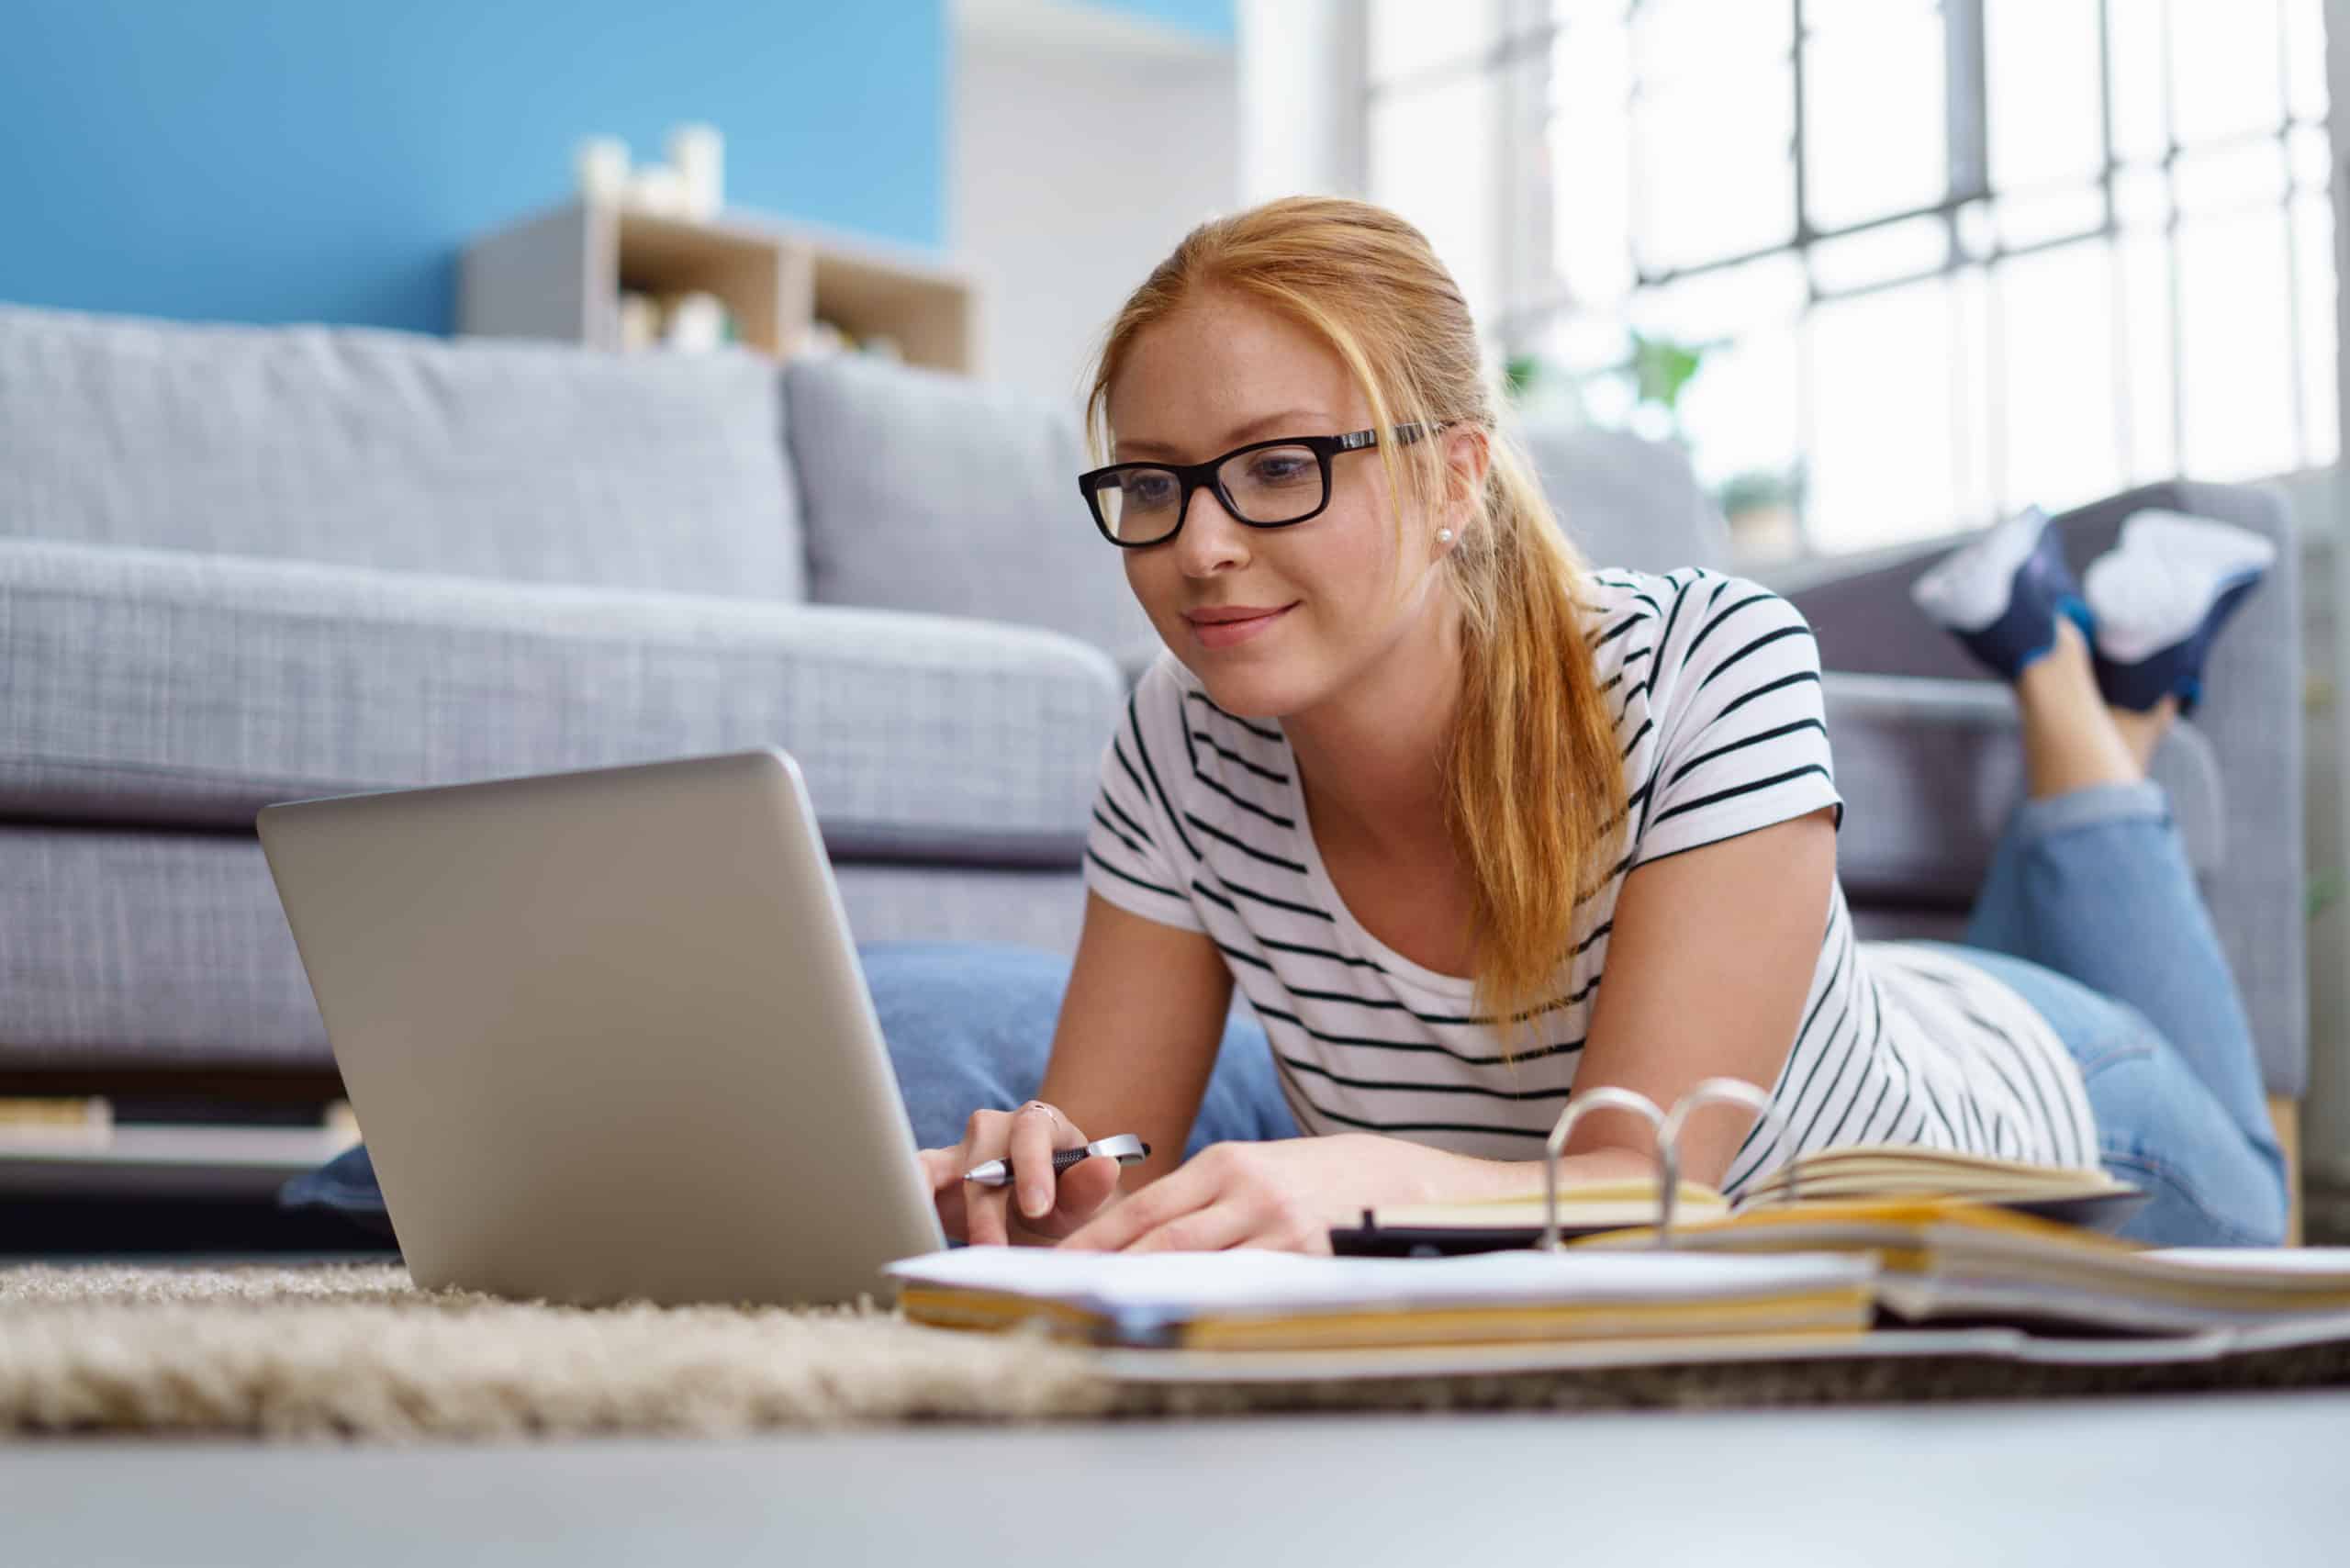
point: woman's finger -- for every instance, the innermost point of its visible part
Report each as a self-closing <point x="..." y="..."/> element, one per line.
<point x="1210" y="1230"/>
<point x="1186" y="1188"/>
<point x="952" y="1219"/>
<point x="1036" y="1130"/>
<point x="943" y="1169"/>
<point x="984" y="1220"/>
<point x="1084" y="1188"/>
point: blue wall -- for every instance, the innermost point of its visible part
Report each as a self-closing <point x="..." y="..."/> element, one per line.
<point x="1211" y="19"/>
<point x="324" y="160"/>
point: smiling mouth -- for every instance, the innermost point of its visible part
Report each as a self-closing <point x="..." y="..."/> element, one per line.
<point x="1234" y="620"/>
<point x="1223" y="634"/>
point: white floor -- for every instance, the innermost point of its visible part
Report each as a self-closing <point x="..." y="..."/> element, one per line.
<point x="2213" y="1480"/>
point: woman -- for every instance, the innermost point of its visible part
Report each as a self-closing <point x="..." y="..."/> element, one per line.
<point x="1418" y="780"/>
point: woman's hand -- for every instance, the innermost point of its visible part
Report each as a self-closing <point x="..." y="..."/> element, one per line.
<point x="1047" y="1208"/>
<point x="1285" y="1196"/>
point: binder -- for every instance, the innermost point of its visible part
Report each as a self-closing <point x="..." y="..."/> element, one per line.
<point x="2089" y="1199"/>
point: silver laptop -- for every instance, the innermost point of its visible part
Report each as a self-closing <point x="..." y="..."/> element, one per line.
<point x="605" y="1035"/>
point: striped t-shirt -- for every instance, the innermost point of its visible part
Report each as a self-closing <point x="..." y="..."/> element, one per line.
<point x="1199" y="822"/>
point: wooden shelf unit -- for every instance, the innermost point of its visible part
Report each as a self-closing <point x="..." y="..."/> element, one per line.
<point x="560" y="274"/>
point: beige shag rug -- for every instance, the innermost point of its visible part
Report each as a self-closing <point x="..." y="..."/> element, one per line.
<point x="356" y="1351"/>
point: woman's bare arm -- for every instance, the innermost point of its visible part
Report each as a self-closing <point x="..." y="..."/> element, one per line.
<point x="1136" y="1040"/>
<point x="1138" y="1033"/>
<point x="1711" y="957"/>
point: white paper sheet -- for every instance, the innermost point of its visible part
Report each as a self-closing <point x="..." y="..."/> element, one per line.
<point x="1175" y="1285"/>
<point x="1457" y="1361"/>
<point x="2291" y="1261"/>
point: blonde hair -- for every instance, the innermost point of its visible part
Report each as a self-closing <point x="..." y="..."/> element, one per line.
<point x="1536" y="793"/>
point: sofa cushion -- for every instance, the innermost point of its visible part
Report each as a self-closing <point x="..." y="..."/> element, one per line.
<point x="529" y="461"/>
<point x="1933" y="767"/>
<point x="1626" y="501"/>
<point x="131" y="949"/>
<point x="174" y="690"/>
<point x="925" y="491"/>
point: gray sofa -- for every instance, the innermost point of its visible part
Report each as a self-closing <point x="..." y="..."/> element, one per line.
<point x="244" y="564"/>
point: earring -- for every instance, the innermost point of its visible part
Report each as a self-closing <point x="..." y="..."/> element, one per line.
<point x="1443" y="536"/>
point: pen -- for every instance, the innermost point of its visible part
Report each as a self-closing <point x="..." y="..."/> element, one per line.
<point x="1129" y="1149"/>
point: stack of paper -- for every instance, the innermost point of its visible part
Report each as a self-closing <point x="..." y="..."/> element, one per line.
<point x="1806" y="1272"/>
<point x="1943" y="1261"/>
<point x="1257" y="1300"/>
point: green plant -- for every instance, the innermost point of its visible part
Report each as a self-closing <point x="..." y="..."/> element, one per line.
<point x="1662" y="367"/>
<point x="1520" y="371"/>
<point x="1655" y="371"/>
<point x="2324" y="891"/>
<point x="1760" y="489"/>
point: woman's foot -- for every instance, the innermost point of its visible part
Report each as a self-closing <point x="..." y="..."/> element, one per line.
<point x="2159" y="598"/>
<point x="1999" y="594"/>
<point x="2071" y="739"/>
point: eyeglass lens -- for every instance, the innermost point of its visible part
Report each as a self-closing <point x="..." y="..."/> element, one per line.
<point x="1270" y="485"/>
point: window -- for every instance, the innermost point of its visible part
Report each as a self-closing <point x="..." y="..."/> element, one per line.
<point x="1935" y="261"/>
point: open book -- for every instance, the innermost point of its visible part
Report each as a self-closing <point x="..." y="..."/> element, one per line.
<point x="1900" y="1171"/>
<point x="2075" y="1197"/>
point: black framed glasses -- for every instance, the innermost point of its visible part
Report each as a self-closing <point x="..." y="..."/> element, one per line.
<point x="1266" y="484"/>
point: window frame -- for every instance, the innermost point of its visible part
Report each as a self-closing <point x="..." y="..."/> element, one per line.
<point x="1518" y="60"/>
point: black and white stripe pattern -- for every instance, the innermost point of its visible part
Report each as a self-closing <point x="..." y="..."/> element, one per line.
<point x="1714" y="683"/>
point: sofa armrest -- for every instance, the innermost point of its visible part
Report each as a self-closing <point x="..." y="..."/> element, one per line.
<point x="1931" y="770"/>
<point x="2250" y="719"/>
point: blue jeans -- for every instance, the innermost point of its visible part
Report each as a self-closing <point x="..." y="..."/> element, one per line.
<point x="969" y="1027"/>
<point x="2090" y="912"/>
